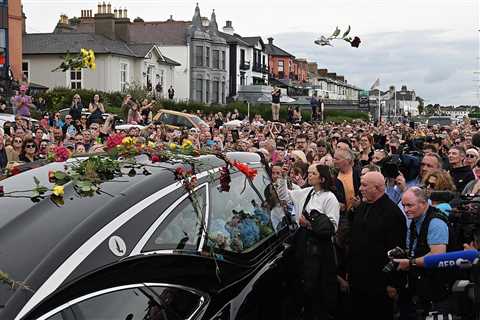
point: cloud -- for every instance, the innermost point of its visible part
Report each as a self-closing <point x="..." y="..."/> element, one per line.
<point x="438" y="64"/>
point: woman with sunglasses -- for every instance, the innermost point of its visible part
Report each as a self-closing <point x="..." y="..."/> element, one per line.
<point x="96" y="110"/>
<point x="13" y="151"/>
<point x="471" y="158"/>
<point x="29" y="151"/>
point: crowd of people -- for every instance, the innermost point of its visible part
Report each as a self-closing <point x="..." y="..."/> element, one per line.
<point x="371" y="186"/>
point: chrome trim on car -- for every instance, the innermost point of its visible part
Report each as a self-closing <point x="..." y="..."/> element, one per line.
<point x="70" y="303"/>
<point x="147" y="235"/>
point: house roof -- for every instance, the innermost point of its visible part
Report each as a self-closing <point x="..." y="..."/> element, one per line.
<point x="61" y="43"/>
<point x="253" y="41"/>
<point x="273" y="50"/>
<point x="235" y="38"/>
<point x="168" y="33"/>
<point x="142" y="49"/>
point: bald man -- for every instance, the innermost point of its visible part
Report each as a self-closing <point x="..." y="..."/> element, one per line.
<point x="377" y="226"/>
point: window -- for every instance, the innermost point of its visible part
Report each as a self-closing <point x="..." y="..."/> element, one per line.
<point x="167" y="118"/>
<point x="150" y="72"/>
<point x="281" y="66"/>
<point x="75" y="80"/>
<point x="207" y="57"/>
<point x="223" y="60"/>
<point x="215" y="92"/>
<point x="26" y="70"/>
<point x="223" y="91"/>
<point x="199" y="89"/>
<point x="181" y="229"/>
<point x="242" y="57"/>
<point x="199" y="56"/>
<point x="207" y="91"/>
<point x="136" y="303"/>
<point x="216" y="59"/>
<point x="242" y="78"/>
<point x="123" y="76"/>
<point x="245" y="215"/>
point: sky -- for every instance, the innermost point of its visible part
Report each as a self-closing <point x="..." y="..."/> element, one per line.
<point x="431" y="46"/>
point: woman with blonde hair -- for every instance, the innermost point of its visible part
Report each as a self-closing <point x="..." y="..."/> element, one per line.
<point x="439" y="181"/>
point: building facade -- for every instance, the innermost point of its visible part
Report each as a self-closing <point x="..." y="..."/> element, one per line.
<point x="118" y="64"/>
<point x="11" y="30"/>
<point x="248" y="61"/>
<point x="281" y="63"/>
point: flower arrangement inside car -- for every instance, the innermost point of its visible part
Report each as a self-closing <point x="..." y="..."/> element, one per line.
<point x="85" y="175"/>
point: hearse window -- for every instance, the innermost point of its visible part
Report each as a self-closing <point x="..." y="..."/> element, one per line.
<point x="57" y="316"/>
<point x="181" y="230"/>
<point x="241" y="218"/>
<point x="168" y="118"/>
<point x="183" y="122"/>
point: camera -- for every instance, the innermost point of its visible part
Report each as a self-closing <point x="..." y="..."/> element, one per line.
<point x="395" y="253"/>
<point x="465" y="218"/>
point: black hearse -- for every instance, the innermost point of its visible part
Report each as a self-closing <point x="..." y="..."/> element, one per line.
<point x="138" y="251"/>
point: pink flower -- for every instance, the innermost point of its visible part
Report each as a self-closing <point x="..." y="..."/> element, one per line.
<point x="61" y="154"/>
<point x="114" y="140"/>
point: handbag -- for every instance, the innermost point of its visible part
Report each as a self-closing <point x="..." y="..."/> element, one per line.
<point x="322" y="227"/>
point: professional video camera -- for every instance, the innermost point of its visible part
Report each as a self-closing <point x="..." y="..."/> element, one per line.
<point x="465" y="218"/>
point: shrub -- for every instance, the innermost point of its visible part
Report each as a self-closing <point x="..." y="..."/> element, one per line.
<point x="59" y="98"/>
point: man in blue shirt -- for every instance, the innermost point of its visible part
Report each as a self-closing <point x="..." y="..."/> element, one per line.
<point x="427" y="234"/>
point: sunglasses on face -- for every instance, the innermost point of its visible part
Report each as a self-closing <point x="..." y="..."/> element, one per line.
<point x="430" y="185"/>
<point x="30" y="145"/>
<point x="17" y="141"/>
<point x="471" y="156"/>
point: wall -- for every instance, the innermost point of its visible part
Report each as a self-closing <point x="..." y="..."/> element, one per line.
<point x="181" y="75"/>
<point x="273" y="64"/>
<point x="15" y="33"/>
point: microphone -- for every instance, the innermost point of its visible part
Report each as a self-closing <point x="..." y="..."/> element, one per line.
<point x="454" y="259"/>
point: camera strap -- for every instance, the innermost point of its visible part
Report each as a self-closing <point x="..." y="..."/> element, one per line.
<point x="307" y="200"/>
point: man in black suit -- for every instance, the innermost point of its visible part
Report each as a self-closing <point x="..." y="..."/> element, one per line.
<point x="377" y="226"/>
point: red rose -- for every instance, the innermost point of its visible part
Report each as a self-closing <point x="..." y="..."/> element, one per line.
<point x="61" y="154"/>
<point x="51" y="176"/>
<point x="114" y="140"/>
<point x="356" y="42"/>
<point x="179" y="172"/>
<point x="2" y="191"/>
<point x="15" y="170"/>
<point x="245" y="169"/>
<point x="155" y="158"/>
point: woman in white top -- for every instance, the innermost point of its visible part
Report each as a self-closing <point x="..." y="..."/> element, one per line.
<point x="314" y="253"/>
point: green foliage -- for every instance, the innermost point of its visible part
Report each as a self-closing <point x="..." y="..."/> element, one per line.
<point x="475" y="115"/>
<point x="60" y="98"/>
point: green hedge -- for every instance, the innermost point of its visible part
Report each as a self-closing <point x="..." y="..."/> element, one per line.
<point x="59" y="98"/>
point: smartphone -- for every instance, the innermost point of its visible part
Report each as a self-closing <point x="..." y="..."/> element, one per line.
<point x="235" y="135"/>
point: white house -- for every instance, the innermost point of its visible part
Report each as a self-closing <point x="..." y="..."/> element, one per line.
<point x="118" y="64"/>
<point x="248" y="60"/>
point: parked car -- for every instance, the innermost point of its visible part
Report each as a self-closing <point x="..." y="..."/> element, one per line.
<point x="441" y="121"/>
<point x="64" y="112"/>
<point x="8" y="117"/>
<point x="178" y="120"/>
<point x="139" y="250"/>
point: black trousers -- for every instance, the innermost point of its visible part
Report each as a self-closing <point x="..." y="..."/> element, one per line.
<point x="371" y="305"/>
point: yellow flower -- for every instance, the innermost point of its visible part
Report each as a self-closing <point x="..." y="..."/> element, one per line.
<point x="58" y="191"/>
<point x="172" y="146"/>
<point x="93" y="66"/>
<point x="186" y="144"/>
<point x="128" y="141"/>
<point x="84" y="53"/>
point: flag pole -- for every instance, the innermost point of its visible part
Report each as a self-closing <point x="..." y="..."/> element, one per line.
<point x="379" y="107"/>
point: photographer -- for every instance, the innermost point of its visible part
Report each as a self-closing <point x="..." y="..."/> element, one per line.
<point x="428" y="234"/>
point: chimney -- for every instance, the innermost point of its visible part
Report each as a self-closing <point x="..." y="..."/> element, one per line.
<point x="105" y="24"/>
<point x="63" y="25"/>
<point x="120" y="13"/>
<point x="171" y="18"/>
<point x="270" y="41"/>
<point x="109" y="8"/>
<point x="115" y="13"/>
<point x="24" y="22"/>
<point x="122" y="25"/>
<point x="125" y="15"/>
<point x="228" y="29"/>
<point x="104" y="8"/>
<point x="99" y="8"/>
<point x="322" y="72"/>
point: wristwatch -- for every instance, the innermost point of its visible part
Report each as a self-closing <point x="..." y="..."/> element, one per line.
<point x="412" y="262"/>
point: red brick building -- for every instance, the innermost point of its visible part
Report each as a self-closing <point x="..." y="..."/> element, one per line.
<point x="15" y="33"/>
<point x="281" y="63"/>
